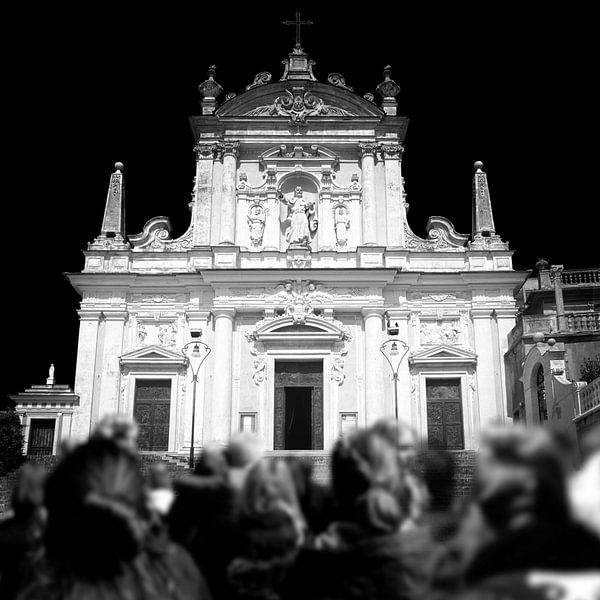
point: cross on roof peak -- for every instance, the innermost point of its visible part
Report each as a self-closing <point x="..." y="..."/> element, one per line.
<point x="298" y="23"/>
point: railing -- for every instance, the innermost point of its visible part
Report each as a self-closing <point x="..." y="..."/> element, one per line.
<point x="589" y="397"/>
<point x="577" y="322"/>
<point x="581" y="277"/>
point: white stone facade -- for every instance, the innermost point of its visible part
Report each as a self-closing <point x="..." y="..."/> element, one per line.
<point x="227" y="275"/>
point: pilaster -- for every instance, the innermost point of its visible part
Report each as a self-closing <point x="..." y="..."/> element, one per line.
<point x="392" y="155"/>
<point x="217" y="407"/>
<point x="369" y="217"/>
<point x="228" y="200"/>
<point x="374" y="388"/>
<point x="201" y="212"/>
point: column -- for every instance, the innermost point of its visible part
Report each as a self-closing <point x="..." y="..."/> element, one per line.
<point x="486" y="380"/>
<point x="228" y="199"/>
<point x="504" y="321"/>
<point x="369" y="219"/>
<point x="394" y="202"/>
<point x="556" y="277"/>
<point x="85" y="371"/>
<point x="114" y="329"/>
<point x="217" y="408"/>
<point x="374" y="385"/>
<point x="201" y="216"/>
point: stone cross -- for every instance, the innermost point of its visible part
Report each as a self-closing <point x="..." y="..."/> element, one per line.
<point x="298" y="23"/>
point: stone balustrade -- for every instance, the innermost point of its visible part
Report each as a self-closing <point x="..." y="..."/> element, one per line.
<point x="589" y="397"/>
<point x="581" y="277"/>
<point x="581" y="322"/>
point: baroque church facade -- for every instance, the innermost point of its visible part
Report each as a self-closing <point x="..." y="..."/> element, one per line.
<point x="298" y="263"/>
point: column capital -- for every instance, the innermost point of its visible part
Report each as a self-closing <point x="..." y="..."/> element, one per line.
<point x="398" y="314"/>
<point x="372" y="311"/>
<point x="367" y="149"/>
<point x="481" y="313"/>
<point x="224" y="311"/>
<point x="206" y="150"/>
<point x="89" y="315"/>
<point x="115" y="315"/>
<point x="392" y="150"/>
<point x="230" y="148"/>
<point x="556" y="273"/>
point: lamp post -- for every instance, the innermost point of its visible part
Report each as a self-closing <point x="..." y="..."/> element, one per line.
<point x="394" y="356"/>
<point x="195" y="358"/>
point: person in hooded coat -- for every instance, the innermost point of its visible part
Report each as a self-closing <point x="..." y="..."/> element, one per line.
<point x="362" y="554"/>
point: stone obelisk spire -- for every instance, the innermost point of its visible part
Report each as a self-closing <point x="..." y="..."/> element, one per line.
<point x="483" y="228"/>
<point x="112" y="234"/>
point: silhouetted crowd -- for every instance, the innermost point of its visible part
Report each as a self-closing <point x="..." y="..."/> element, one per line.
<point x="244" y="526"/>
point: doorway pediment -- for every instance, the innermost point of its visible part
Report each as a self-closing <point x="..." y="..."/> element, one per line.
<point x="443" y="354"/>
<point x="313" y="328"/>
<point x="152" y="356"/>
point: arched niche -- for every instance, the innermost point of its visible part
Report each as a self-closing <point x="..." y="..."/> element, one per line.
<point x="310" y="190"/>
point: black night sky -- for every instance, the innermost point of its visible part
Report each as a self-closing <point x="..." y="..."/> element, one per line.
<point x="103" y="82"/>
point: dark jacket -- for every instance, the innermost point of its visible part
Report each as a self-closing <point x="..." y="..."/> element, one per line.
<point x="541" y="546"/>
<point x="348" y="562"/>
<point x="20" y="543"/>
<point x="267" y="546"/>
<point x="202" y="520"/>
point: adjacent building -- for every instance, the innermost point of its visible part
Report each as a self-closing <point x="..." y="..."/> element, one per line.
<point x="557" y="331"/>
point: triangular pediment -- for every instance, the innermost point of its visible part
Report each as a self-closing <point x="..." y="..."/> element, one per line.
<point x="153" y="355"/>
<point x="443" y="354"/>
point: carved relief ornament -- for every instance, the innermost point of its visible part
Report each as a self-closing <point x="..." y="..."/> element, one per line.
<point x="298" y="106"/>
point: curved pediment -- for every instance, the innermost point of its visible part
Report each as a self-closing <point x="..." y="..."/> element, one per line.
<point x="312" y="327"/>
<point x="305" y="99"/>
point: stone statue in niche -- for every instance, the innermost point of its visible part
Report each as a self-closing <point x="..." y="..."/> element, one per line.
<point x="302" y="219"/>
<point x="342" y="223"/>
<point x="256" y="222"/>
<point x="141" y="334"/>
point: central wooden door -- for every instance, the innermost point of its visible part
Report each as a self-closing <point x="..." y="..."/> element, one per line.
<point x="151" y="411"/>
<point x="298" y="405"/>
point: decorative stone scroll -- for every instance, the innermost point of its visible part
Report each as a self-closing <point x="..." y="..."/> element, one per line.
<point x="261" y="78"/>
<point x="338" y="80"/>
<point x="156" y="237"/>
<point x="441" y="236"/>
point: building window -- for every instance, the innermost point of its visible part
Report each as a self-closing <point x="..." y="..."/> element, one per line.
<point x="541" y="395"/>
<point x="41" y="437"/>
<point x="444" y="414"/>
<point x="248" y="422"/>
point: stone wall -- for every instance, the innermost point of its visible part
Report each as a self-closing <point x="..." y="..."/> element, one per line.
<point x="465" y="464"/>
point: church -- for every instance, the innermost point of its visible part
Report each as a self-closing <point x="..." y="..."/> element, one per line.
<point x="298" y="265"/>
